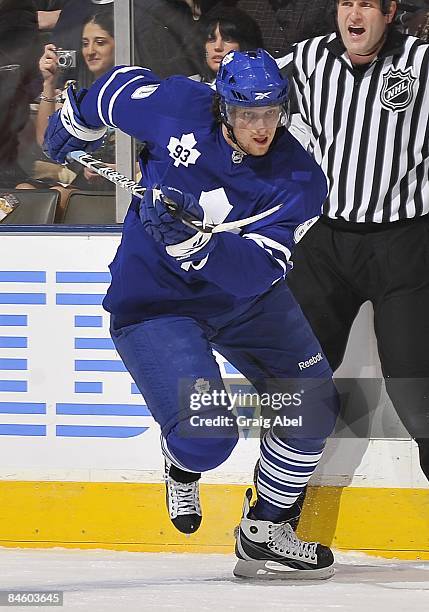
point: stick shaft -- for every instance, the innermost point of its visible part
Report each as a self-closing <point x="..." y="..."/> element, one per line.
<point x="108" y="173"/>
<point x="137" y="190"/>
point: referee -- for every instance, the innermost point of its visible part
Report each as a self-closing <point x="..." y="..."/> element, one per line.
<point x="363" y="101"/>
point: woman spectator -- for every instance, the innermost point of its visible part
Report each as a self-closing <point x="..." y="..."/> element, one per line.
<point x="98" y="53"/>
<point x="222" y="30"/>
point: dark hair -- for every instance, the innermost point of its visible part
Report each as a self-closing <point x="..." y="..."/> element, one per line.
<point x="235" y="25"/>
<point x="104" y="19"/>
<point x="385" y="6"/>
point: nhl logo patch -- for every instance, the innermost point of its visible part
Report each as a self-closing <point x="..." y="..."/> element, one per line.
<point x="397" y="91"/>
<point x="237" y="157"/>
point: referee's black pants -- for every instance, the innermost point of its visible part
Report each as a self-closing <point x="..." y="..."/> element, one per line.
<point x="336" y="270"/>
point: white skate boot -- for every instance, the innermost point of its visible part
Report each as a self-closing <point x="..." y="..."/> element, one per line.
<point x="183" y="502"/>
<point x="273" y="551"/>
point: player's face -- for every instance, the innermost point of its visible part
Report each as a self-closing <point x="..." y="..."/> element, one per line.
<point x="98" y="49"/>
<point x="255" y="128"/>
<point x="216" y="49"/>
<point x="363" y="27"/>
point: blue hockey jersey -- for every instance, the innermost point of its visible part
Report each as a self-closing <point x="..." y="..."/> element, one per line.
<point x="187" y="150"/>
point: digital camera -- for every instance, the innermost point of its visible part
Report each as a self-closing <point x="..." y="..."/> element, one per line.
<point x="66" y="58"/>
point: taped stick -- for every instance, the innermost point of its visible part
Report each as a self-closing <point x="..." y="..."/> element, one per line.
<point x="137" y="190"/>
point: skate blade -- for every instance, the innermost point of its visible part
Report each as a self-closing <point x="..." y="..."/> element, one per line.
<point x="271" y="570"/>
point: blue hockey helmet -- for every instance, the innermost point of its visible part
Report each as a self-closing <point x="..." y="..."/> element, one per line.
<point x="251" y="78"/>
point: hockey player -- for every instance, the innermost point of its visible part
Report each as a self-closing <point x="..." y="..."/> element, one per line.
<point x="176" y="292"/>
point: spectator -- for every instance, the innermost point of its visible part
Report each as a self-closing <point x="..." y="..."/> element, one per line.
<point x="68" y="29"/>
<point x="18" y="81"/>
<point x="98" y="52"/>
<point x="222" y="30"/>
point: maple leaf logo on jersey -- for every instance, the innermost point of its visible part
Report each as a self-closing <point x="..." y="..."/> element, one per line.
<point x="182" y="151"/>
<point x="216" y="208"/>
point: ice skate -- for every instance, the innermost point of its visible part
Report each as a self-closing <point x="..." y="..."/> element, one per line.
<point x="183" y="502"/>
<point x="273" y="551"/>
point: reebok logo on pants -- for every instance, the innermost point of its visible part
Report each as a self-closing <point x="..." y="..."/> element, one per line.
<point x="306" y="364"/>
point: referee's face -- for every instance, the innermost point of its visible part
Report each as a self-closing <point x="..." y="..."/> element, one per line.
<point x="363" y="26"/>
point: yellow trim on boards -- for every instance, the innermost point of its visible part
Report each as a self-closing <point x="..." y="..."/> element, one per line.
<point x="392" y="523"/>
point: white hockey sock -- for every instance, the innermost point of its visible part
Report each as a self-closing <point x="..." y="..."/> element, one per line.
<point x="284" y="471"/>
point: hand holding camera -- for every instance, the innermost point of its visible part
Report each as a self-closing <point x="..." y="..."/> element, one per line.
<point x="48" y="65"/>
<point x="53" y="60"/>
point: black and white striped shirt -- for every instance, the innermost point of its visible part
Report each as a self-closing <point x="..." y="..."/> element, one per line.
<point x="368" y="127"/>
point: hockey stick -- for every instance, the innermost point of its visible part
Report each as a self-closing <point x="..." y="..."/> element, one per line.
<point x="137" y="190"/>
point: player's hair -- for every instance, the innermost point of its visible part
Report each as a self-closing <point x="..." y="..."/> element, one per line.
<point x="216" y="109"/>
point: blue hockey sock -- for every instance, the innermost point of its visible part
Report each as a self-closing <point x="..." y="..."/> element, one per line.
<point x="264" y="511"/>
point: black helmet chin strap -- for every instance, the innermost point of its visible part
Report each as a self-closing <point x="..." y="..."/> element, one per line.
<point x="232" y="137"/>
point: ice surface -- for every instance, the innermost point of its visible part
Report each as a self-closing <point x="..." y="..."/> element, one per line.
<point x="98" y="580"/>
